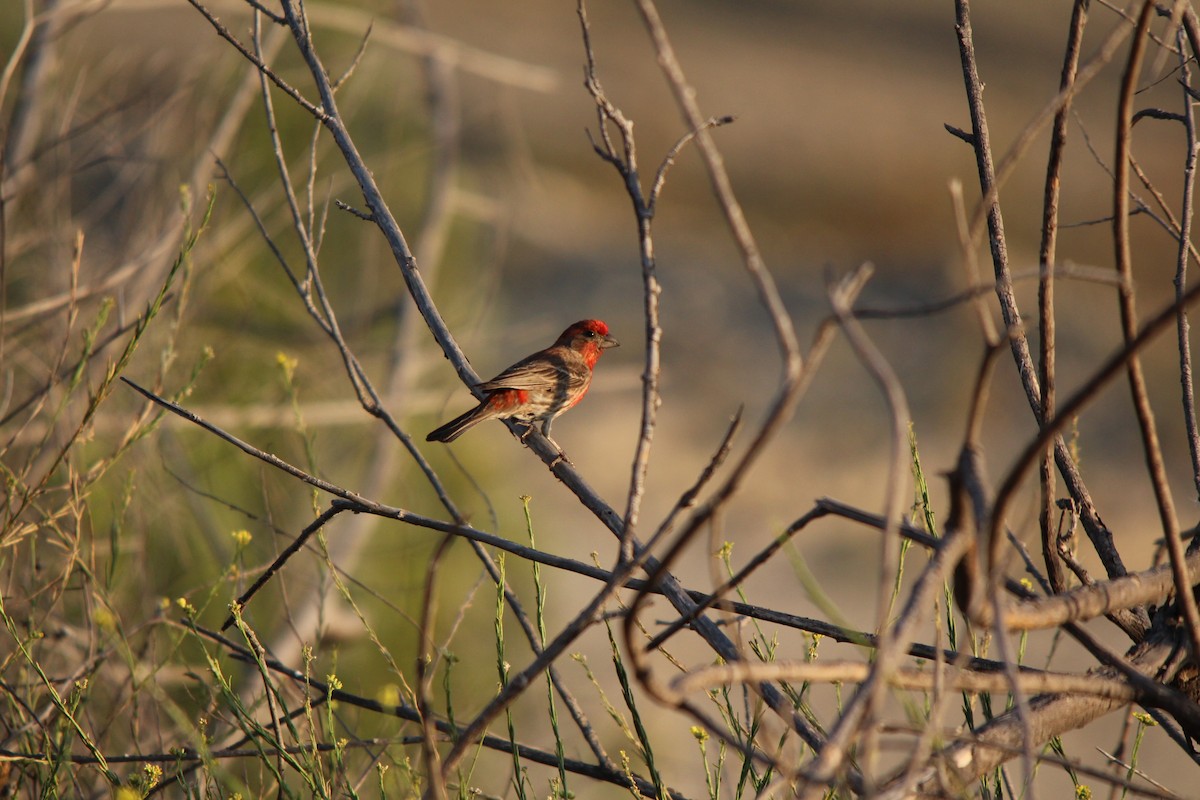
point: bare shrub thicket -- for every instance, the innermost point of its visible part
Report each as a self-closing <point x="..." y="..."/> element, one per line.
<point x="214" y="585"/>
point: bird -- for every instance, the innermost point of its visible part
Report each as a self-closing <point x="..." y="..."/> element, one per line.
<point x="538" y="387"/>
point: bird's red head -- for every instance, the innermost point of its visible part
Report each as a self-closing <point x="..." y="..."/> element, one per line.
<point x="589" y="337"/>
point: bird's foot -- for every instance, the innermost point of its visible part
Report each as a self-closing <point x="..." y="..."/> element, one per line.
<point x="561" y="458"/>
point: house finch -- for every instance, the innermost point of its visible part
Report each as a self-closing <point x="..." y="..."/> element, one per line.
<point x="541" y="386"/>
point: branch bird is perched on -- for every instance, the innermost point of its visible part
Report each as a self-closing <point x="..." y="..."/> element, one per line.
<point x="539" y="387"/>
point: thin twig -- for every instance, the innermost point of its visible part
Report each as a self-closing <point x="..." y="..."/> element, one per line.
<point x="894" y="494"/>
<point x="626" y="164"/>
<point x="991" y="179"/>
<point x="282" y="558"/>
<point x="1186" y="213"/>
<point x="787" y="392"/>
<point x="1046" y="320"/>
<point x="1137" y="381"/>
<point x="430" y="758"/>
<point x="705" y="678"/>
<point x="257" y="61"/>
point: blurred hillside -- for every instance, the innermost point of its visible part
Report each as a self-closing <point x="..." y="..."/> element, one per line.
<point x="838" y="154"/>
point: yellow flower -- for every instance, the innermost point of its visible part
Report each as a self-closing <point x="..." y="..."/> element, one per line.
<point x="288" y="365"/>
<point x="105" y="619"/>
<point x="152" y="773"/>
<point x="389" y="695"/>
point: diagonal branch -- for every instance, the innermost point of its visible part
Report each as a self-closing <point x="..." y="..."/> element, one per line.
<point x="1125" y="293"/>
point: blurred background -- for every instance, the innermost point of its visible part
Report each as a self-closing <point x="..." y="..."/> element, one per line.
<point x="475" y="121"/>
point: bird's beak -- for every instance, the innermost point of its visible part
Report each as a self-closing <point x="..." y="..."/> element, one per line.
<point x="608" y="342"/>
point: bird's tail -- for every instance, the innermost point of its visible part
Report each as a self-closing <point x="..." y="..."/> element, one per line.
<point x="459" y="425"/>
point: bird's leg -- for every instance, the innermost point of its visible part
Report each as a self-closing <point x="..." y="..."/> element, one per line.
<point x="562" y="454"/>
<point x="561" y="457"/>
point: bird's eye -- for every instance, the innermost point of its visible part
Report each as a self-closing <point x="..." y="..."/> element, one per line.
<point x="591" y="334"/>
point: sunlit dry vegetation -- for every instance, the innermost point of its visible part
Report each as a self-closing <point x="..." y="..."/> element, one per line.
<point x="887" y="493"/>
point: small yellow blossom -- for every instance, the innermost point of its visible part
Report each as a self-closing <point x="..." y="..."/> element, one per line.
<point x="389" y="695"/>
<point x="105" y="619"/>
<point x="288" y="365"/>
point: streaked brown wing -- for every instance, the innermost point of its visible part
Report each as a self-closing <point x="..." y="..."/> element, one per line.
<point x="547" y="371"/>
